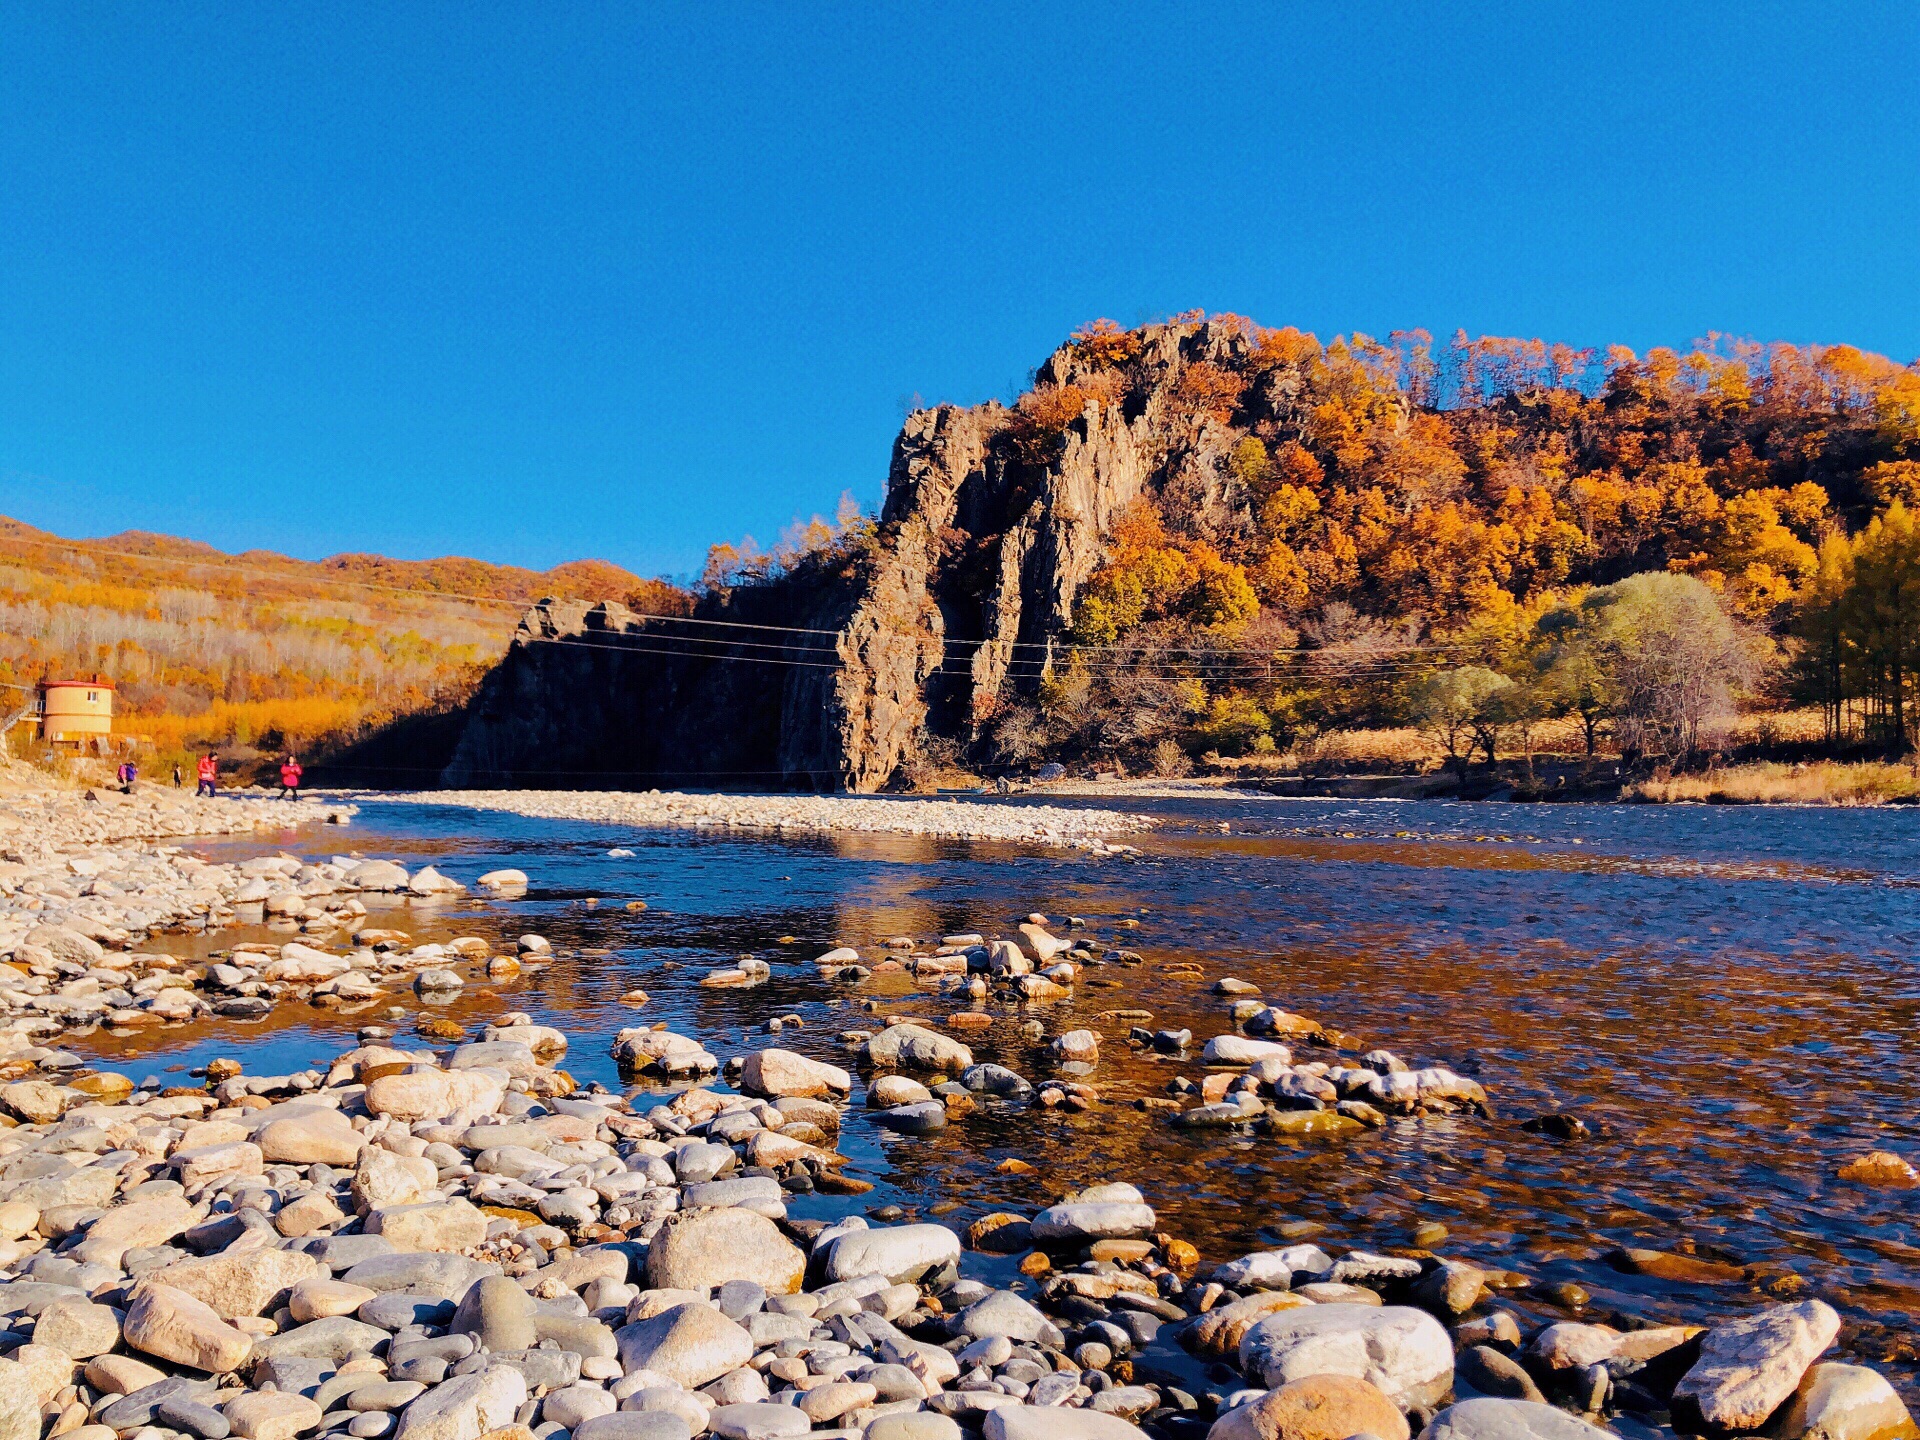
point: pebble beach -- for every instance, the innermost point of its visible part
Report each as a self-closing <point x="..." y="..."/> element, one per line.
<point x="1051" y="825"/>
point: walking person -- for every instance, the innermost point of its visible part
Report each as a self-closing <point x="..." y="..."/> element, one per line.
<point x="208" y="771"/>
<point x="176" y="774"/>
<point x="290" y="779"/>
<point x="126" y="775"/>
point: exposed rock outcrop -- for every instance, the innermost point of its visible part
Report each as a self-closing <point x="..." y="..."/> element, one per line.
<point x="953" y="602"/>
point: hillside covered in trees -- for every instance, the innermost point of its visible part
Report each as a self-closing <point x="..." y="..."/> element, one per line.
<point x="1478" y="537"/>
<point x="1205" y="538"/>
<point x="259" y="653"/>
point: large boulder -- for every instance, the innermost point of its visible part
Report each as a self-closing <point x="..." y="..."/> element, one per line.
<point x="699" y="1249"/>
<point x="465" y="1407"/>
<point x="691" y="1344"/>
<point x="309" y="1135"/>
<point x="914" y="1047"/>
<point x="238" y="1282"/>
<point x="1747" y="1367"/>
<point x="170" y="1324"/>
<point x="137" y="1224"/>
<point x="79" y="1328"/>
<point x="444" y="1225"/>
<point x="19" y="1405"/>
<point x="423" y="1094"/>
<point x="784" y="1072"/>
<point x="1403" y="1351"/>
<point x="1082" y="1220"/>
<point x="902" y="1253"/>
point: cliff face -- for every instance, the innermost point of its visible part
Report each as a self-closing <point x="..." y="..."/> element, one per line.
<point x="991" y="525"/>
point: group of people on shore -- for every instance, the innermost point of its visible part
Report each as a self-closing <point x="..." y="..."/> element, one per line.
<point x="207" y="776"/>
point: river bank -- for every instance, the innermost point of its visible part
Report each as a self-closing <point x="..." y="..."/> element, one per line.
<point x="1195" y="1172"/>
<point x="446" y="1242"/>
<point x="1079" y="829"/>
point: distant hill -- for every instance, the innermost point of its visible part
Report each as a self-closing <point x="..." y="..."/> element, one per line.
<point x="257" y="653"/>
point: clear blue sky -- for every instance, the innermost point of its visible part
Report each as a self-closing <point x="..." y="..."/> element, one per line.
<point x="534" y="282"/>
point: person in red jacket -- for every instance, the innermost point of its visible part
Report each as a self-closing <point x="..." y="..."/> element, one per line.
<point x="208" y="771"/>
<point x="290" y="779"/>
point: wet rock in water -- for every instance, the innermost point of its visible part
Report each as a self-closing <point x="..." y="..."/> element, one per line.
<point x="1077" y="1047"/>
<point x="1360" y="1267"/>
<point x="1880" y="1168"/>
<point x="921" y="1119"/>
<point x="1273" y="1269"/>
<point x="1233" y="1049"/>
<point x="1747" y="1367"/>
<point x="1094" y="1220"/>
<point x="913" y="1047"/>
<point x="995" y="1080"/>
<point x="1315" y="1407"/>
<point x="785" y="1072"/>
<point x="1403" y="1351"/>
<point x="1451" y="1288"/>
<point x="1001" y="1233"/>
<point x="704" y="1248"/>
<point x="888" y="1091"/>
<point x="1843" y="1402"/>
<point x="1559" y="1125"/>
<point x="1495" y="1419"/>
<point x="1685" y="1269"/>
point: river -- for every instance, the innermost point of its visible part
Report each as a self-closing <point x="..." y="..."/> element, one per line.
<point x="1726" y="996"/>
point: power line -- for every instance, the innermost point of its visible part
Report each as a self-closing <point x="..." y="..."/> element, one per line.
<point x="649" y="617"/>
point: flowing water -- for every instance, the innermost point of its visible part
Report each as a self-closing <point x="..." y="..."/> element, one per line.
<point x="1726" y="996"/>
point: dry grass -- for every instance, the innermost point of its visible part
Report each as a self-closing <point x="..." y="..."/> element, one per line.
<point x="1824" y="782"/>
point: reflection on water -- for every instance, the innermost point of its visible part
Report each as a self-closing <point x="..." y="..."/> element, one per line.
<point x="1727" y="996"/>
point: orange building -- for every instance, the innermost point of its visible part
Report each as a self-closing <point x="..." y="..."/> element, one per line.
<point x="78" y="713"/>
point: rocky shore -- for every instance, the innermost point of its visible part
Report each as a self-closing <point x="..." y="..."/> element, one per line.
<point x="455" y="1240"/>
<point x="457" y="1243"/>
<point x="809" y="814"/>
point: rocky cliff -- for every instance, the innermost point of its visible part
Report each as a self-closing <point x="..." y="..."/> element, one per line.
<point x="838" y="673"/>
